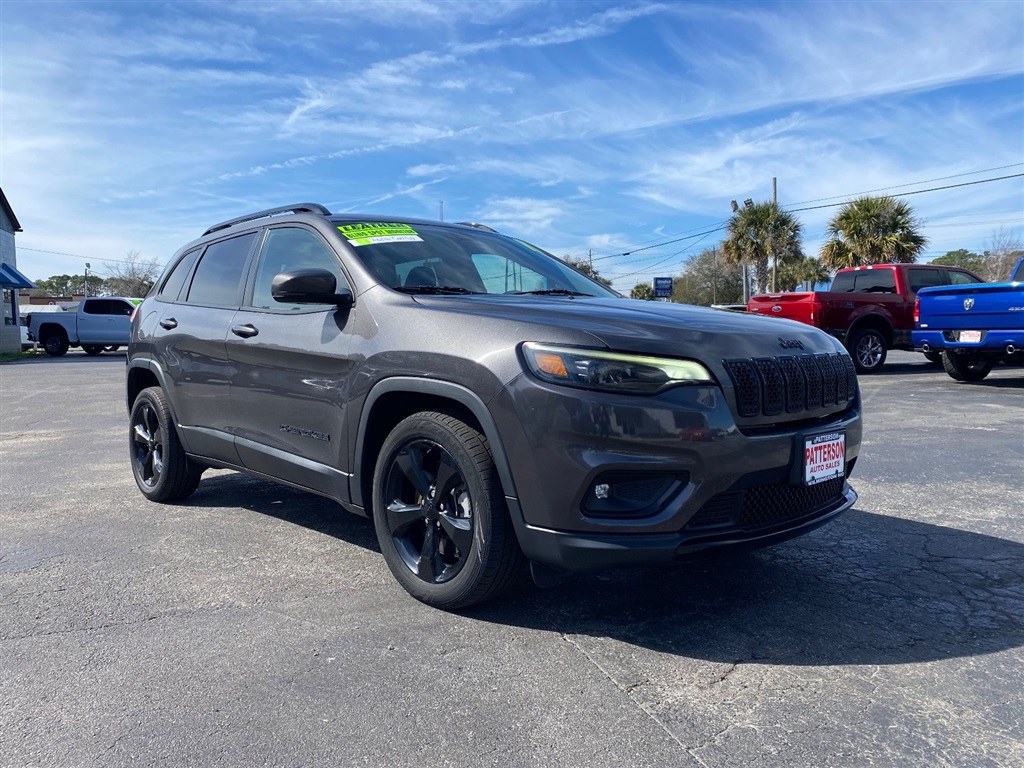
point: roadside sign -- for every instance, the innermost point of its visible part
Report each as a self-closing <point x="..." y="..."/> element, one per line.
<point x="662" y="287"/>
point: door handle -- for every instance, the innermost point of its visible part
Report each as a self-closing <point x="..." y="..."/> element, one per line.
<point x="169" y="324"/>
<point x="246" y="331"/>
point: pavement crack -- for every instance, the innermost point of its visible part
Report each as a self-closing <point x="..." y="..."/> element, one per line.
<point x="627" y="690"/>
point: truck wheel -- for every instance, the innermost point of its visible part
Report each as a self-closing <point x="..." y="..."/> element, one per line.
<point x="967" y="367"/>
<point x="55" y="343"/>
<point x="440" y="514"/>
<point x="92" y="349"/>
<point x="867" y="348"/>
<point x="933" y="357"/>
<point x="162" y="470"/>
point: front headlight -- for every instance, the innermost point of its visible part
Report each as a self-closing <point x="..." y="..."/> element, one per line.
<point x="611" y="371"/>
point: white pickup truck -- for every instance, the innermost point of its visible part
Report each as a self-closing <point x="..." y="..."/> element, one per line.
<point x="97" y="324"/>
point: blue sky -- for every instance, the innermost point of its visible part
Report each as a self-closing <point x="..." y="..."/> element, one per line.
<point x="580" y="126"/>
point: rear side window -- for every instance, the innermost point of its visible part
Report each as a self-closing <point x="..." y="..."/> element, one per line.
<point x="97" y="307"/>
<point x="962" y="278"/>
<point x="925" y="278"/>
<point x="875" y="281"/>
<point x="218" y="278"/>
<point x="172" y="285"/>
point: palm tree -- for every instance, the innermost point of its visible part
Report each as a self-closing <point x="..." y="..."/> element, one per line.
<point x="760" y="233"/>
<point x="872" y="230"/>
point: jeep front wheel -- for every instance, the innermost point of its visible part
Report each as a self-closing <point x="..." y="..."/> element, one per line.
<point x="440" y="514"/>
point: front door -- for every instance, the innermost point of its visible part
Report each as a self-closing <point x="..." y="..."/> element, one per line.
<point x="292" y="371"/>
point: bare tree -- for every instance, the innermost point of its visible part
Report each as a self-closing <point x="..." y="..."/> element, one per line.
<point x="133" y="276"/>
<point x="999" y="259"/>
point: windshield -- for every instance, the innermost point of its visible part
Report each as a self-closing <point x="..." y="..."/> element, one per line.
<point x="428" y="258"/>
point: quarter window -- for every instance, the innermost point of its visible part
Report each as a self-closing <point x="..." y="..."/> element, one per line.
<point x="218" y="278"/>
<point x="172" y="285"/>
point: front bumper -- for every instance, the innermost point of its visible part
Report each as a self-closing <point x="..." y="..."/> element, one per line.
<point x="594" y="552"/>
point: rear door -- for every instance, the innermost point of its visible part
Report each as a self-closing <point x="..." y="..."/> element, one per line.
<point x="189" y="342"/>
<point x="292" y="370"/>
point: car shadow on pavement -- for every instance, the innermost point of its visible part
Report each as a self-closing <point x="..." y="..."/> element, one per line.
<point x="864" y="589"/>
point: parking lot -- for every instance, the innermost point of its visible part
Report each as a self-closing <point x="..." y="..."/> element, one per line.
<point x="256" y="625"/>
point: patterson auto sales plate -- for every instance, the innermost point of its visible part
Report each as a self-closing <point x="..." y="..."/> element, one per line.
<point x="824" y="457"/>
<point x="970" y="337"/>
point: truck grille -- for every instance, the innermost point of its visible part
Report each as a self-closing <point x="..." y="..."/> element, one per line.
<point x="770" y="386"/>
<point x="764" y="506"/>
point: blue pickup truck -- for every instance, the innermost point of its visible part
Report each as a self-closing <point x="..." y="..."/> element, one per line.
<point x="972" y="326"/>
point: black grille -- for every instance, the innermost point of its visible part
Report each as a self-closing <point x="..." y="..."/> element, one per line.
<point x="767" y="386"/>
<point x="764" y="506"/>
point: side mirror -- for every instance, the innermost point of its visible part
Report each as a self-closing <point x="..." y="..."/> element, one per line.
<point x="309" y="286"/>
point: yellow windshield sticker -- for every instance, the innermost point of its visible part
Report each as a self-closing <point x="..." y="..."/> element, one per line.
<point x="379" y="232"/>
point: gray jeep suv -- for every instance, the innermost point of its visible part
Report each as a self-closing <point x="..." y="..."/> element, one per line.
<point x="482" y="401"/>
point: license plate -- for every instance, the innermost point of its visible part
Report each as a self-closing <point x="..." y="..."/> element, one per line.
<point x="970" y="337"/>
<point x="824" y="457"/>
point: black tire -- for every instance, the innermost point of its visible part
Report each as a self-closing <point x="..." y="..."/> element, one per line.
<point x="111" y="348"/>
<point x="162" y="470"/>
<point x="92" y="349"/>
<point x="867" y="348"/>
<point x="967" y="366"/>
<point x="933" y="357"/>
<point x="56" y="343"/>
<point x="440" y="514"/>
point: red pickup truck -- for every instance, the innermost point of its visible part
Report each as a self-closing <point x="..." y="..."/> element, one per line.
<point x="869" y="309"/>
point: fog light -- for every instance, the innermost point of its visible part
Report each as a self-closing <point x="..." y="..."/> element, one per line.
<point x="631" y="494"/>
<point x="602" y="491"/>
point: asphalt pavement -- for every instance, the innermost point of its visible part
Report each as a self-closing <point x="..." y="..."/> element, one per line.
<point x="256" y="625"/>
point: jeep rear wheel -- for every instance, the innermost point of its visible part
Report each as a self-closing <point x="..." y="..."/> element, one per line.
<point x="867" y="348"/>
<point x="968" y="366"/>
<point x="440" y="514"/>
<point x="162" y="470"/>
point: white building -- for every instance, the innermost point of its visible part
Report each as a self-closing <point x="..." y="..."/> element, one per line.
<point x="10" y="279"/>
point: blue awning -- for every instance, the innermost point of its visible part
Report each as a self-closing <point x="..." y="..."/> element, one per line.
<point x="12" y="278"/>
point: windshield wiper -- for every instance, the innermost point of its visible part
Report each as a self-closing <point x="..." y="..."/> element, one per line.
<point x="550" y="292"/>
<point x="434" y="289"/>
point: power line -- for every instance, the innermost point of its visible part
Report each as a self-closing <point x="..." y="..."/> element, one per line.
<point x="80" y="256"/>
<point x="919" y="191"/>
<point x="910" y="184"/>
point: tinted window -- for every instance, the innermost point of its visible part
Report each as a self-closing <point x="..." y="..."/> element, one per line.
<point x="172" y="285"/>
<point x="286" y="249"/>
<point x="218" y="278"/>
<point x="925" y="278"/>
<point x="875" y="281"/>
<point x="97" y="307"/>
<point x="961" y="278"/>
<point x="843" y="283"/>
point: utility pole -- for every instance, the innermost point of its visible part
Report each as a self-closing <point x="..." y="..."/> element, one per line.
<point x="87" y="266"/>
<point x="441" y="215"/>
<point x="775" y="203"/>
<point x="590" y="259"/>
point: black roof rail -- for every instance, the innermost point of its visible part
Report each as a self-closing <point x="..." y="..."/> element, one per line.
<point x="296" y="208"/>
<point x="473" y="224"/>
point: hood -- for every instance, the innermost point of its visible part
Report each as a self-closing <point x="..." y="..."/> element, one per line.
<point x="648" y="327"/>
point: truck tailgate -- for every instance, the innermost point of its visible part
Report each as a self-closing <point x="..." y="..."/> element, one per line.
<point x="792" y="306"/>
<point x="988" y="306"/>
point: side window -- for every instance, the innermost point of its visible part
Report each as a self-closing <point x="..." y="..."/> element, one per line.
<point x="501" y="275"/>
<point x="961" y="278"/>
<point x="218" y="278"/>
<point x="97" y="307"/>
<point x="843" y="283"/>
<point x="120" y="308"/>
<point x="876" y="281"/>
<point x="288" y="248"/>
<point x="925" y="278"/>
<point x="172" y="285"/>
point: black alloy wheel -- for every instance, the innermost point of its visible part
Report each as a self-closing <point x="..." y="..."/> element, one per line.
<point x="440" y="515"/>
<point x="162" y="470"/>
<point x="55" y="344"/>
<point x="429" y="512"/>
